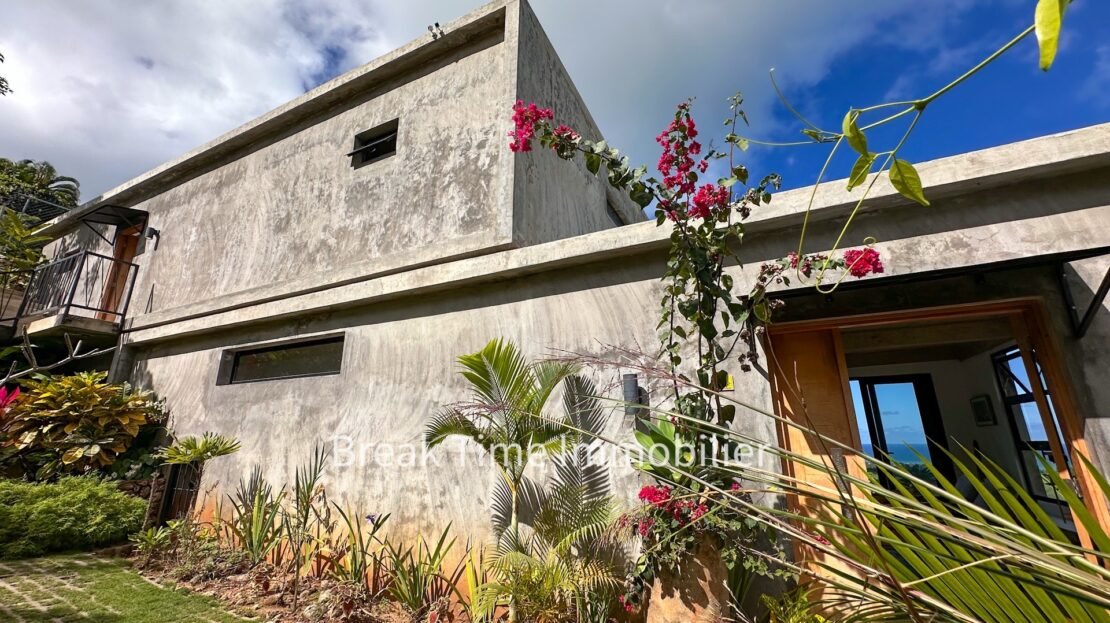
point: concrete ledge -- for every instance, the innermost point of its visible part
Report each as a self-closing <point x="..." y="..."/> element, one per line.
<point x="1045" y="157"/>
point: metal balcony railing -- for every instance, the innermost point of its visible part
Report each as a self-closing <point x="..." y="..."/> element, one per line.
<point x="40" y="210"/>
<point x="83" y="284"/>
<point x="13" y="283"/>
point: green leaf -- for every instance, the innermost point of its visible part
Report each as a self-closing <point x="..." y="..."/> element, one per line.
<point x="593" y="163"/>
<point x="1048" y="19"/>
<point x="860" y="170"/>
<point x="728" y="414"/>
<point x="907" y="182"/>
<point x="641" y="194"/>
<point x="727" y="181"/>
<point x="853" y="134"/>
<point x="741" y="173"/>
<point x="762" y="312"/>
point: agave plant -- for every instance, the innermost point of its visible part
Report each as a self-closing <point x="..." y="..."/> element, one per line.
<point x="418" y="579"/>
<point x="361" y="558"/>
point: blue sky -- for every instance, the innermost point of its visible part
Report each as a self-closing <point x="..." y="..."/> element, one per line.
<point x="139" y="83"/>
<point x="1010" y="100"/>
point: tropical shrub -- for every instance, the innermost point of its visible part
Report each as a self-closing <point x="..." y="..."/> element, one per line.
<point x="568" y="564"/>
<point x="255" y="517"/>
<point x="20" y="248"/>
<point x="152" y="542"/>
<point x="418" y="579"/>
<point x="76" y="424"/>
<point x="70" y="514"/>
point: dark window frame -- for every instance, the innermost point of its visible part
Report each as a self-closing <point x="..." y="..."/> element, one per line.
<point x="1012" y="406"/>
<point x="375" y="144"/>
<point x="230" y="358"/>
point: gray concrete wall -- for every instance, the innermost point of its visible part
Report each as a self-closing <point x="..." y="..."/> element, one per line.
<point x="580" y="295"/>
<point x="398" y="369"/>
<point x="296" y="208"/>
<point x="275" y="207"/>
<point x="555" y="199"/>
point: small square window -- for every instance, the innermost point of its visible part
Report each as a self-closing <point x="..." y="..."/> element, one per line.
<point x="288" y="360"/>
<point x="374" y="144"/>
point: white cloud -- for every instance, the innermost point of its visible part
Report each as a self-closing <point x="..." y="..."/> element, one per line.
<point x="107" y="90"/>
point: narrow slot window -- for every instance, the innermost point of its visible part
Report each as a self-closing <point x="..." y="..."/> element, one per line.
<point x="290" y="360"/>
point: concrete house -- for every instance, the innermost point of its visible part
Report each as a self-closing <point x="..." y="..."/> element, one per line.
<point x="309" y="278"/>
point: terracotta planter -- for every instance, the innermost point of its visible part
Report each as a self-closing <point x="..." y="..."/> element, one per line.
<point x="697" y="592"/>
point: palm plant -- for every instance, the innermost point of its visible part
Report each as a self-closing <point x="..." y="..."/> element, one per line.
<point x="505" y="416"/>
<point x="39" y="180"/>
<point x="568" y="563"/>
<point x="198" y="450"/>
<point x="20" y="249"/>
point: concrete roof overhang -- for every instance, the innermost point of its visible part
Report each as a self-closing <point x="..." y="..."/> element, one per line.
<point x="1042" y="230"/>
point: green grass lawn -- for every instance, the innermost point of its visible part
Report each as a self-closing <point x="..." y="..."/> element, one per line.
<point x="102" y="590"/>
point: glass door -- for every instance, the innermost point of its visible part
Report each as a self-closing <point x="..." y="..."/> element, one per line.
<point x="899" y="421"/>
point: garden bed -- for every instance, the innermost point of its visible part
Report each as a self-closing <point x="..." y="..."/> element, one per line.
<point x="267" y="594"/>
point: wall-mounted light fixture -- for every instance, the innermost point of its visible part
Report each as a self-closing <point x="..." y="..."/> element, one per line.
<point x="153" y="234"/>
<point x="634" y="395"/>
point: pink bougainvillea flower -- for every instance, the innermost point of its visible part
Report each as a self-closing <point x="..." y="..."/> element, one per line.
<point x="708" y="198"/>
<point x="525" y="118"/>
<point x="863" y="262"/>
<point x="566" y="132"/>
<point x="656" y="496"/>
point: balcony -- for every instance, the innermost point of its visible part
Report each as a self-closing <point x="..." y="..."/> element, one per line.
<point x="84" y="293"/>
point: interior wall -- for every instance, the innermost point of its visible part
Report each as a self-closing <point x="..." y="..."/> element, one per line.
<point x="956" y="382"/>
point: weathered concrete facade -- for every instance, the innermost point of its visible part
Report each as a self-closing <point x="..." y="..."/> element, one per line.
<point x="268" y="234"/>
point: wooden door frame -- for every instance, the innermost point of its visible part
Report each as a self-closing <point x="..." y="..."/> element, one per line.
<point x="115" y="284"/>
<point x="1029" y="323"/>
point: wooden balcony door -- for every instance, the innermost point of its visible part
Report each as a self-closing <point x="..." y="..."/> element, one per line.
<point x="116" y="281"/>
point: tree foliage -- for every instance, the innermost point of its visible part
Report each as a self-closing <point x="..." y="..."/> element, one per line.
<point x="38" y="180"/>
<point x="75" y="424"/>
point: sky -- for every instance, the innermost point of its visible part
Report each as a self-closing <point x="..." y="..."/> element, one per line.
<point x="108" y="90"/>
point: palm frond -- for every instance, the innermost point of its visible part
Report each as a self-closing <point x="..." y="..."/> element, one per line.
<point x="448" y="423"/>
<point x="197" y="450"/>
<point x="530" y="499"/>
<point x="583" y="408"/>
<point x="500" y="375"/>
<point x="548" y="375"/>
